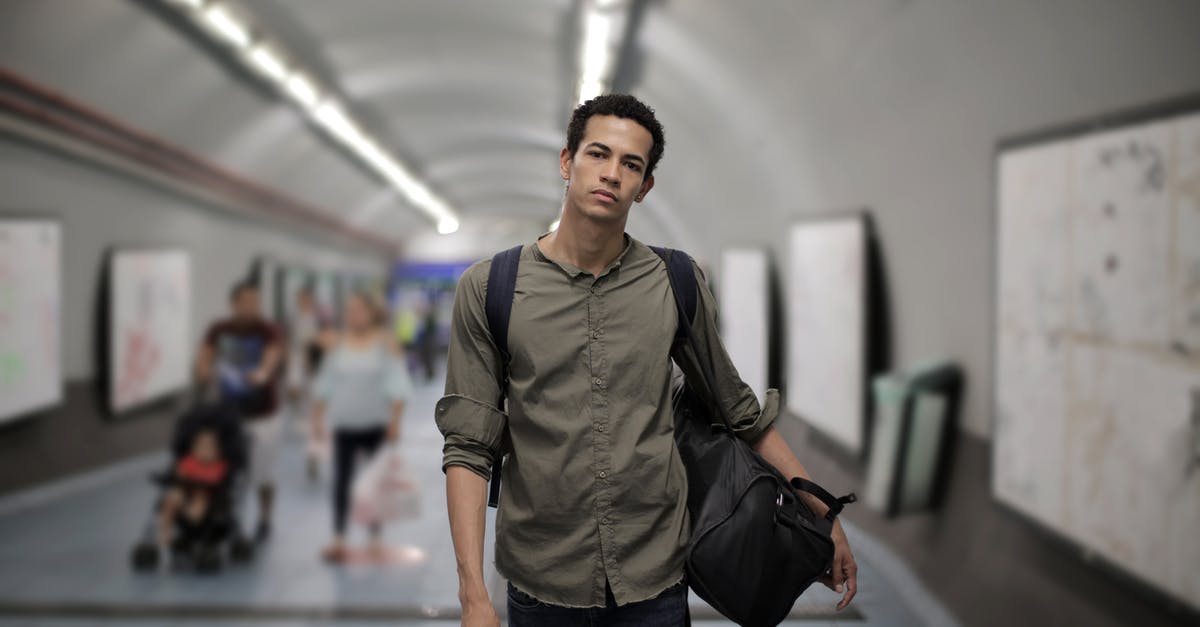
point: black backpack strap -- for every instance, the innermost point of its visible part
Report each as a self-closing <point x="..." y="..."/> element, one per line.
<point x="683" y="285"/>
<point x="502" y="284"/>
<point x="835" y="504"/>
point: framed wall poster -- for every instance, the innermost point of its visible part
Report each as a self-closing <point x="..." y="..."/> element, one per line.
<point x="31" y="375"/>
<point x="1097" y="341"/>
<point x="289" y="281"/>
<point x="826" y="316"/>
<point x="149" y="334"/>
<point x="743" y="294"/>
<point x="264" y="272"/>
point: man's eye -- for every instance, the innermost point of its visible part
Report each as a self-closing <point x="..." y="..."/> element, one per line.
<point x="633" y="166"/>
<point x="596" y="153"/>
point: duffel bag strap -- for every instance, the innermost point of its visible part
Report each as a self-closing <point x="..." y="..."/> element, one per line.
<point x="835" y="504"/>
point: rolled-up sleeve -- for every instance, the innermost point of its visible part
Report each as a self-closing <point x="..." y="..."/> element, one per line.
<point x="738" y="406"/>
<point x="469" y="416"/>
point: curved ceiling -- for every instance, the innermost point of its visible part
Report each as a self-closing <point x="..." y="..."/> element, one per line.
<point x="471" y="94"/>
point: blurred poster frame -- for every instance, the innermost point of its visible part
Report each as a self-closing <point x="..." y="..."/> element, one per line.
<point x="145" y="326"/>
<point x="264" y="272"/>
<point x="744" y="298"/>
<point x="1090" y="424"/>
<point x="289" y="280"/>
<point x="828" y="325"/>
<point x="30" y="351"/>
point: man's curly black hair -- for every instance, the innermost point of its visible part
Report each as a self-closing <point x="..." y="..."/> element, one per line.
<point x="622" y="106"/>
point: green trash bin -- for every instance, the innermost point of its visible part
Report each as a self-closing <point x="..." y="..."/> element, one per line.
<point x="911" y="431"/>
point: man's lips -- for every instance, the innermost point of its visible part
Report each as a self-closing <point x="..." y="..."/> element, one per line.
<point x="599" y="193"/>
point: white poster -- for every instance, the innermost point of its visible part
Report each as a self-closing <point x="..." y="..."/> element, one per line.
<point x="826" y="327"/>
<point x="743" y="297"/>
<point x="30" y="300"/>
<point x="150" y="326"/>
<point x="1097" y="414"/>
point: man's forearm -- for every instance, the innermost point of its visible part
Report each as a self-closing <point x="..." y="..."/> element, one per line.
<point x="776" y="451"/>
<point x="466" y="498"/>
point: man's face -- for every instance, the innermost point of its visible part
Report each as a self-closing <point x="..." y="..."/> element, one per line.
<point x="246" y="305"/>
<point x="607" y="173"/>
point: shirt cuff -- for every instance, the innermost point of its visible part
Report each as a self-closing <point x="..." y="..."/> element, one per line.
<point x="473" y="431"/>
<point x="752" y="427"/>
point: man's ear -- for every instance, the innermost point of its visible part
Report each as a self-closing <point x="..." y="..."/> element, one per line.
<point x="564" y="164"/>
<point x="647" y="185"/>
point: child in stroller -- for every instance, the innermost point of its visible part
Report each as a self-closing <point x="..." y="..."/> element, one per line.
<point x="196" y="514"/>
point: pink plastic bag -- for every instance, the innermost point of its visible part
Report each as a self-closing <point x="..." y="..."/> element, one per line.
<point x="384" y="490"/>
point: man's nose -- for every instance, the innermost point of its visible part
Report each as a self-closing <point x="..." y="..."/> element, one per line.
<point x="611" y="174"/>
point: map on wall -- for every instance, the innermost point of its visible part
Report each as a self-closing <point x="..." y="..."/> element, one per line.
<point x="30" y="300"/>
<point x="150" y="326"/>
<point x="826" y="358"/>
<point x="1097" y="416"/>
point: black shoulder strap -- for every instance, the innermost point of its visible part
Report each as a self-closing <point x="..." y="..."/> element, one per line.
<point x="683" y="285"/>
<point x="502" y="284"/>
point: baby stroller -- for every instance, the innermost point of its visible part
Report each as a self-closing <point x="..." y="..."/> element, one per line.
<point x="202" y="541"/>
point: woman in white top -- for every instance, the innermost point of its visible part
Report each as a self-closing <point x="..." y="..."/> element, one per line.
<point x="358" y="397"/>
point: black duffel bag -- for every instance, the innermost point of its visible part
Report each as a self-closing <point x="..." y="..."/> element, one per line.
<point x="755" y="546"/>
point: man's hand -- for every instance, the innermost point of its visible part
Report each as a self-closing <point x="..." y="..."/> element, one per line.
<point x="480" y="614"/>
<point x="844" y="570"/>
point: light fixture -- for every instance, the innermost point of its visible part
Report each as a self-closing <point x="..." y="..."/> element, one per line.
<point x="227" y="26"/>
<point x="302" y="90"/>
<point x="267" y="61"/>
<point x="331" y="116"/>
<point x="604" y="22"/>
<point x="220" y="19"/>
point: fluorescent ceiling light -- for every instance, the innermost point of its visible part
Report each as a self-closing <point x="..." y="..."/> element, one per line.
<point x="589" y="90"/>
<point x="269" y="63"/>
<point x="302" y="90"/>
<point x="220" y="20"/>
<point x="331" y="116"/>
<point x="603" y="24"/>
<point x="227" y="26"/>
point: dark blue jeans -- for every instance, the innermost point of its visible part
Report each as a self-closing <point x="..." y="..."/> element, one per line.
<point x="668" y="609"/>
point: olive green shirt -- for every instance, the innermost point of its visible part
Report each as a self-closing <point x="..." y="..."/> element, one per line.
<point x="593" y="485"/>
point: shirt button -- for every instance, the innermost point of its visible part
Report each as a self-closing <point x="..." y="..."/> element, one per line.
<point x="597" y="381"/>
<point x="603" y="474"/>
<point x="599" y="427"/>
<point x="604" y="521"/>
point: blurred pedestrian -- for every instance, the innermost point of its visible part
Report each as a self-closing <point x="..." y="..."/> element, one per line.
<point x="358" y="399"/>
<point x="241" y="357"/>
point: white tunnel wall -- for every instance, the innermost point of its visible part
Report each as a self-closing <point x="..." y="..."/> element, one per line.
<point x="895" y="107"/>
<point x="99" y="209"/>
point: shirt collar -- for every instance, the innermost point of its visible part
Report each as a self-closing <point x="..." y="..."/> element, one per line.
<point x="574" y="271"/>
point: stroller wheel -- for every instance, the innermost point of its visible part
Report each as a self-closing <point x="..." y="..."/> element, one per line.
<point x="207" y="559"/>
<point x="240" y="550"/>
<point x="144" y="557"/>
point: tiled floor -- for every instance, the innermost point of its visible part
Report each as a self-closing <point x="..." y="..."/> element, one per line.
<point x="64" y="561"/>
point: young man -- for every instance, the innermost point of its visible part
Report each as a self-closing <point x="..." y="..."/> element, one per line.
<point x="241" y="356"/>
<point x="592" y="524"/>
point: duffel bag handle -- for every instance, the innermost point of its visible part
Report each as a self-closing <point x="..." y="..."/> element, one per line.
<point x="835" y="504"/>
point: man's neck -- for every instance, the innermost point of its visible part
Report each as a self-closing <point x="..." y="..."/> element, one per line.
<point x="585" y="244"/>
